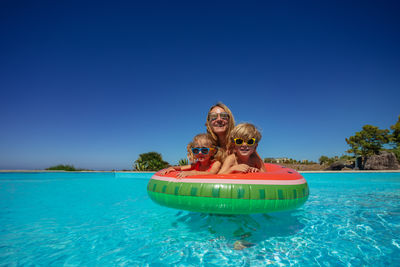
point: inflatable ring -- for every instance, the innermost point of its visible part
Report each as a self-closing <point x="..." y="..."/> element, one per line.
<point x="277" y="189"/>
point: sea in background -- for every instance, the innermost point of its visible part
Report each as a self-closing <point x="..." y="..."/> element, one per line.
<point x="103" y="219"/>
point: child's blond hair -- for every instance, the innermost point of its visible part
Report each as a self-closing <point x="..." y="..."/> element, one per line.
<point x="245" y="131"/>
<point x="210" y="142"/>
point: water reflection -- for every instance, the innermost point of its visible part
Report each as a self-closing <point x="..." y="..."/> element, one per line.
<point x="251" y="229"/>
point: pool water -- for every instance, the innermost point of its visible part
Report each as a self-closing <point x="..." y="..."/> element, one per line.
<point x="107" y="219"/>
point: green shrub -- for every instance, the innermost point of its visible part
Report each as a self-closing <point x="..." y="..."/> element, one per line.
<point x="151" y="161"/>
<point x="62" y="167"/>
<point x="396" y="151"/>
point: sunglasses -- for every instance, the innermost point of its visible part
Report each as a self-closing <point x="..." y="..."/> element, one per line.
<point x="203" y="150"/>
<point x="222" y="115"/>
<point x="240" y="141"/>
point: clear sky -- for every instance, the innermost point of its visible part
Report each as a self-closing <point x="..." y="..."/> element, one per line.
<point x="96" y="83"/>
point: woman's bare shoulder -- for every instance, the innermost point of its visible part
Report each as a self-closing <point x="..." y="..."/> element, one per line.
<point x="230" y="157"/>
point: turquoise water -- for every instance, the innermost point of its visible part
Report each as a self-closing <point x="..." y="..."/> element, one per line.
<point x="107" y="219"/>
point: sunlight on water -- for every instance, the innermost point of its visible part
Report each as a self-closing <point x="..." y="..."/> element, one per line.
<point x="57" y="219"/>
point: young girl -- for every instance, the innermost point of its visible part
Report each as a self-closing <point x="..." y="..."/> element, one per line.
<point x="204" y="152"/>
<point x="244" y="158"/>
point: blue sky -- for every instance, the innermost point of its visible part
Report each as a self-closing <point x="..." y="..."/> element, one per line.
<point x="96" y="83"/>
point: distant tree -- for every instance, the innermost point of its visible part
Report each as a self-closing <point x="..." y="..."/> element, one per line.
<point x="62" y="167"/>
<point x="346" y="158"/>
<point x="368" y="142"/>
<point x="151" y="161"/>
<point x="269" y="160"/>
<point x="395" y="139"/>
<point x="323" y="160"/>
<point x="328" y="161"/>
<point x="395" y="135"/>
<point x="183" y="162"/>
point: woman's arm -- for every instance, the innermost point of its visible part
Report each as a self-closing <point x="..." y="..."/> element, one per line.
<point x="230" y="166"/>
<point x="228" y="163"/>
<point x="215" y="167"/>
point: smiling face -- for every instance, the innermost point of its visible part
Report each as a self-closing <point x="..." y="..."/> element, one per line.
<point x="245" y="138"/>
<point x="219" y="121"/>
<point x="200" y="157"/>
<point x="244" y="150"/>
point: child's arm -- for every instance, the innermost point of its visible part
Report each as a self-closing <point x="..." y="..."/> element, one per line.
<point x="214" y="169"/>
<point x="260" y="166"/>
<point x="262" y="169"/>
<point x="176" y="168"/>
<point x="257" y="163"/>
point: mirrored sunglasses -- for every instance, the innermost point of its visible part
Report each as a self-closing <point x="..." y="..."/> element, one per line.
<point x="222" y="115"/>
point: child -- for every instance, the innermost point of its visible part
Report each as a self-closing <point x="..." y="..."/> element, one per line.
<point x="244" y="158"/>
<point x="204" y="152"/>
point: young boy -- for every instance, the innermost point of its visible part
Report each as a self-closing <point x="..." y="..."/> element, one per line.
<point x="244" y="140"/>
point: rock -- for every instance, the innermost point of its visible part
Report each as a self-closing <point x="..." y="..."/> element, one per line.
<point x="336" y="166"/>
<point x="383" y="161"/>
<point x="242" y="244"/>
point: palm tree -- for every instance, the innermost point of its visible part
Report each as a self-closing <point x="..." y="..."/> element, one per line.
<point x="183" y="162"/>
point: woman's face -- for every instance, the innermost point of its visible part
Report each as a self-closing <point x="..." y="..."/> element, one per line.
<point x="219" y="120"/>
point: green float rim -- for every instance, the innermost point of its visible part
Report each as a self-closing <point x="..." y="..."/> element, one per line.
<point x="227" y="198"/>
